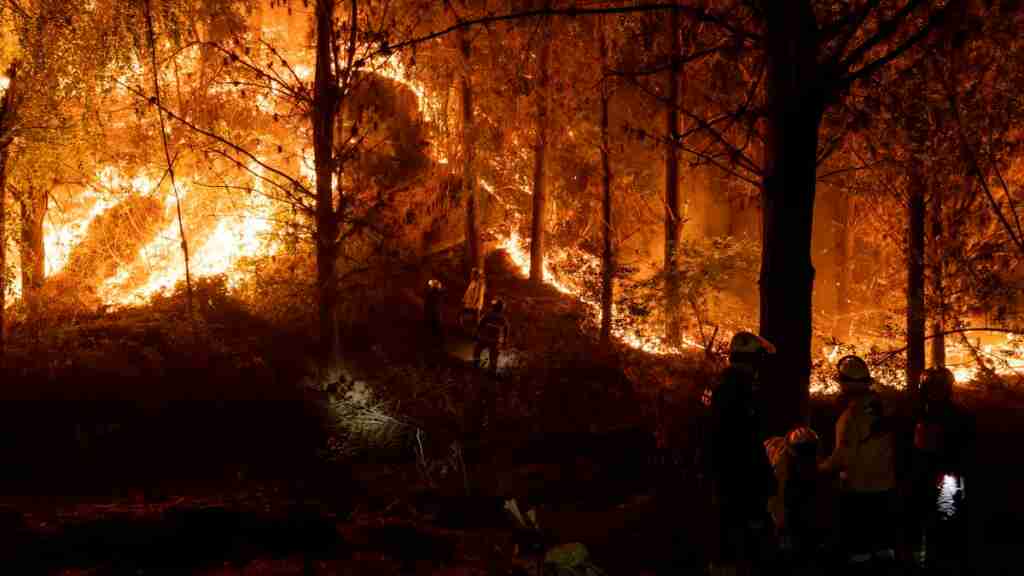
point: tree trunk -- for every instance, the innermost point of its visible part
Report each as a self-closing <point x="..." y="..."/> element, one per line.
<point x="915" y="277"/>
<point x="474" y="254"/>
<point x="673" y="215"/>
<point x="795" y="109"/>
<point x="608" y="254"/>
<point x="4" y="156"/>
<point x="539" y="164"/>
<point x="33" y="249"/>
<point x="841" y="221"/>
<point x="7" y="113"/>
<point x="324" y="115"/>
<point x="938" y="343"/>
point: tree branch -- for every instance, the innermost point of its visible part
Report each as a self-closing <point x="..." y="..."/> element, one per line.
<point x="699" y="14"/>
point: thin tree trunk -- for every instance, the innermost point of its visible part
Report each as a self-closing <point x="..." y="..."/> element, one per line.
<point x="323" y="117"/>
<point x="795" y="109"/>
<point x="842" y="266"/>
<point x="7" y="113"/>
<point x="608" y="254"/>
<point x="33" y="249"/>
<point x="170" y="163"/>
<point x="915" y="277"/>
<point x="539" y="217"/>
<point x="474" y="254"/>
<point x="673" y="215"/>
<point x="938" y="343"/>
<point x="4" y="156"/>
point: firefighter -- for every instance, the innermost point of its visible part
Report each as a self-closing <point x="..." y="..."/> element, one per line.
<point x="864" y="455"/>
<point x="491" y="333"/>
<point x="794" y="459"/>
<point x="943" y="434"/>
<point x="742" y="477"/>
<point x="473" y="299"/>
<point x="432" y="313"/>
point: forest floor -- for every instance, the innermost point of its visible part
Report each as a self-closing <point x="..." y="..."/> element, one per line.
<point x="131" y="445"/>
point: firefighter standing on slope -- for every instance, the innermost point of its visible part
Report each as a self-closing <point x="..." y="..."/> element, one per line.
<point x="742" y="476"/>
<point x="865" y="455"/>
<point x="473" y="299"/>
<point x="432" y="300"/>
<point x="491" y="333"/>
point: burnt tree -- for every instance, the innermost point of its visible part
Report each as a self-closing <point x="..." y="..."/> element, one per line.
<point x="539" y="216"/>
<point x="796" y="103"/>
<point x="673" y="205"/>
<point x="915" y="273"/>
<point x="8" y="112"/>
<point x="324" y="116"/>
<point x="608" y="247"/>
<point x="474" y="252"/>
<point x="935" y="246"/>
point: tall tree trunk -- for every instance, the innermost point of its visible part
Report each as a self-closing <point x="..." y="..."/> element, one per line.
<point x="33" y="249"/>
<point x="539" y="217"/>
<point x="608" y="254"/>
<point x="170" y="164"/>
<point x="324" y="115"/>
<point x="938" y="343"/>
<point x="4" y="156"/>
<point x="915" y="276"/>
<point x="673" y="215"/>
<point x="474" y="253"/>
<point x="7" y="114"/>
<point x="841" y="222"/>
<point x="795" y="109"/>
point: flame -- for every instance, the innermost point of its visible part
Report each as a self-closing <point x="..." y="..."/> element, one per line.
<point x="633" y="336"/>
<point x="242" y="234"/>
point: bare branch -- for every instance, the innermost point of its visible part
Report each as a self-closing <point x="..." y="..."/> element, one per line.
<point x="696" y="13"/>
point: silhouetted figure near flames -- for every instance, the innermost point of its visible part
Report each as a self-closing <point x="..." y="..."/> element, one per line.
<point x="795" y="460"/>
<point x="941" y="459"/>
<point x="432" y="315"/>
<point x="491" y="333"/>
<point x="865" y="457"/>
<point x="742" y="476"/>
<point x="473" y="299"/>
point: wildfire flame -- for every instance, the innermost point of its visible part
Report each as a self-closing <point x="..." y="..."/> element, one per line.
<point x="633" y="336"/>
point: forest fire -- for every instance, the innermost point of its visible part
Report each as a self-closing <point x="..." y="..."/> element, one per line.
<point x="243" y="320"/>
<point x="633" y="336"/>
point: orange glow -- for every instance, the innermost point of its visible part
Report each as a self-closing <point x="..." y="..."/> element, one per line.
<point x="633" y="336"/>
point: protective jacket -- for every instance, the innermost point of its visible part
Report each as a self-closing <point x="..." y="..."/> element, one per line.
<point x="864" y="449"/>
<point x="473" y="299"/>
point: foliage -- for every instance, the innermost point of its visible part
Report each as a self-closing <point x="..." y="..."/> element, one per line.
<point x="716" y="278"/>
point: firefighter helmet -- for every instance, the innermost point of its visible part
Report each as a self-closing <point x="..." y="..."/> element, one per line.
<point x="434" y="284"/>
<point x="937" y="384"/>
<point x="854" y="372"/>
<point x="498" y="305"/>
<point x="749" y="343"/>
<point x="802" y="439"/>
